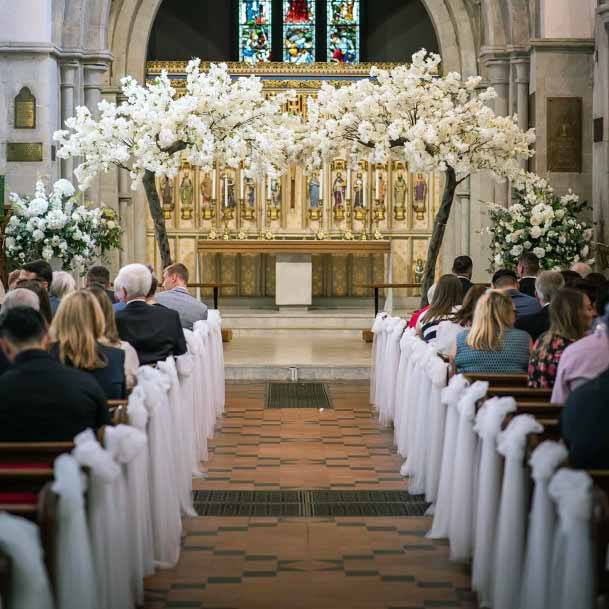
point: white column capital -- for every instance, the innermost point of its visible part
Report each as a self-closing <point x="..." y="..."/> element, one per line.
<point x="94" y="75"/>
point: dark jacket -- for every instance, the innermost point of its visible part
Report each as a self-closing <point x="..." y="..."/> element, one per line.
<point x="466" y="283"/>
<point x="535" y="324"/>
<point x="111" y="378"/>
<point x="5" y="364"/>
<point x="155" y="332"/>
<point x="584" y="423"/>
<point x="43" y="401"/>
<point x="525" y="305"/>
<point x="527" y="286"/>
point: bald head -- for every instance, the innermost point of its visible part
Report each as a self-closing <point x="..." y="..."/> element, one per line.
<point x="582" y="269"/>
<point x="21" y="297"/>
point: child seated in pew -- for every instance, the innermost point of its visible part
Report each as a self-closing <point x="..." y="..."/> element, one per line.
<point x="447" y="300"/>
<point x="571" y="315"/>
<point x="43" y="400"/>
<point x="492" y="344"/>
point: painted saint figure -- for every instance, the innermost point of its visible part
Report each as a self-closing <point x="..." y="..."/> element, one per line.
<point x="228" y="190"/>
<point x="167" y="192"/>
<point x="186" y="191"/>
<point x="250" y="193"/>
<point x="298" y="11"/>
<point x="206" y="194"/>
<point x="313" y="192"/>
<point x="276" y="193"/>
<point x="420" y="194"/>
<point x="338" y="190"/>
<point x="399" y="191"/>
<point x="358" y="192"/>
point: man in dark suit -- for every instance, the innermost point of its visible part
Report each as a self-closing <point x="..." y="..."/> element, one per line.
<point x="462" y="268"/>
<point x="584" y="422"/>
<point x="547" y="285"/>
<point x="100" y="276"/>
<point x="42" y="400"/>
<point x="527" y="269"/>
<point x="154" y="331"/>
<point x="507" y="280"/>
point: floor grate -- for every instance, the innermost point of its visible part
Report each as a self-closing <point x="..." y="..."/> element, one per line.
<point x="297" y="395"/>
<point x="309" y="503"/>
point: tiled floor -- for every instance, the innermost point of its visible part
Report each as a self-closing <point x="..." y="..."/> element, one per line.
<point x="308" y="563"/>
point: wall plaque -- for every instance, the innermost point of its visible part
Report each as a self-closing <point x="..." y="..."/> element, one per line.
<point x="565" y="134"/>
<point x="23" y="152"/>
<point x="25" y="110"/>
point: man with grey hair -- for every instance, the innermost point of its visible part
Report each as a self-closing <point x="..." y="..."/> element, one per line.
<point x="582" y="269"/>
<point x="547" y="285"/>
<point x="21" y="297"/>
<point x="154" y="331"/>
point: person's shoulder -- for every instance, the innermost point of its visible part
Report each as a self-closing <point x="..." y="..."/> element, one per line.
<point x="112" y="353"/>
<point x="519" y="335"/>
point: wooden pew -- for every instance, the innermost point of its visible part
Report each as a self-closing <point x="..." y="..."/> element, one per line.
<point x="118" y="411"/>
<point x="521" y="394"/>
<point x="503" y="380"/>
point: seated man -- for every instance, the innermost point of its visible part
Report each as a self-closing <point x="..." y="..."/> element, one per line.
<point x="547" y="284"/>
<point x="462" y="268"/>
<point x="528" y="269"/>
<point x="584" y="423"/>
<point x="42" y="400"/>
<point x="19" y="297"/>
<point x="178" y="298"/>
<point x="155" y="332"/>
<point x="100" y="276"/>
<point x="507" y="281"/>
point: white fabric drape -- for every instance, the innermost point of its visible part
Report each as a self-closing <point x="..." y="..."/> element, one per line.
<point x="437" y="370"/>
<point x="380" y="360"/>
<point x="209" y="398"/>
<point x="461" y="525"/>
<point x="217" y="359"/>
<point x="126" y="444"/>
<point x="536" y="574"/>
<point x="409" y="399"/>
<point x="572" y="573"/>
<point x="400" y="395"/>
<point x="138" y="484"/>
<point x="108" y="526"/>
<point x="29" y="584"/>
<point x="487" y="426"/>
<point x="450" y="398"/>
<point x="391" y="365"/>
<point x="164" y="501"/>
<point x="376" y="328"/>
<point x="200" y="400"/>
<point x="179" y="423"/>
<point x="511" y="525"/>
<point x="76" y="585"/>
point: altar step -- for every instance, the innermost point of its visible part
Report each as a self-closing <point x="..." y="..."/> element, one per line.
<point x="297" y="355"/>
<point x="258" y="322"/>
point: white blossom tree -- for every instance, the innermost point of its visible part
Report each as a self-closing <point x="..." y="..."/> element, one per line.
<point x="217" y="120"/>
<point x="432" y="122"/>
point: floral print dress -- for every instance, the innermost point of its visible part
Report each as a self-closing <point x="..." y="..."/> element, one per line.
<point x="543" y="363"/>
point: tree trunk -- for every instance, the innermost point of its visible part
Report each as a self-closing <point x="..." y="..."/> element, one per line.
<point x="437" y="236"/>
<point x="156" y="211"/>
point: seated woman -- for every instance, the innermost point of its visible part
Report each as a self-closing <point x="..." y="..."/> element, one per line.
<point x="43" y="296"/>
<point x="447" y="299"/>
<point x="111" y="338"/>
<point x="77" y="331"/>
<point x="571" y="315"/>
<point x="62" y="285"/>
<point x="448" y="330"/>
<point x="492" y="344"/>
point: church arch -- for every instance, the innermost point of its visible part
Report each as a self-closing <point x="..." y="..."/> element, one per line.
<point x="131" y="22"/>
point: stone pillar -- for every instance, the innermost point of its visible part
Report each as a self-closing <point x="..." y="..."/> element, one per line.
<point x="68" y="80"/>
<point x="93" y="82"/>
<point x="498" y="69"/>
<point x="522" y="66"/>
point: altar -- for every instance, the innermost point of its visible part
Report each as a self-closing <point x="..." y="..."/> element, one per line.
<point x="296" y="239"/>
<point x="293" y="261"/>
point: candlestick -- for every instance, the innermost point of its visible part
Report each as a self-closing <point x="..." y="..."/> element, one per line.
<point x="225" y="190"/>
<point x="377" y="191"/>
<point x="241" y="188"/>
<point x="321" y="185"/>
<point x="213" y="183"/>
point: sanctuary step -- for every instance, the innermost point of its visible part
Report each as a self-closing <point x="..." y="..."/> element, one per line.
<point x="287" y="354"/>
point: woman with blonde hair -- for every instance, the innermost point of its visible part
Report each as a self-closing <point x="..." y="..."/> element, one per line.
<point x="77" y="332"/>
<point x="492" y="344"/>
<point x="111" y="338"/>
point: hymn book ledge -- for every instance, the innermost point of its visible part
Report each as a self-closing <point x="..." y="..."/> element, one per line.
<point x="294" y="246"/>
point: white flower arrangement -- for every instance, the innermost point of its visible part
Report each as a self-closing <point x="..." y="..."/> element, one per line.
<point x="55" y="225"/>
<point x="542" y="223"/>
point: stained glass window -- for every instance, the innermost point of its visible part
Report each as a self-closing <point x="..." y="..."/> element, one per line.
<point x="343" y="31"/>
<point x="299" y="31"/>
<point x="255" y="28"/>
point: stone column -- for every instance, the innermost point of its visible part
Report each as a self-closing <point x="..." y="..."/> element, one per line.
<point x="498" y="68"/>
<point x="522" y="66"/>
<point x="68" y="78"/>
<point x="93" y="82"/>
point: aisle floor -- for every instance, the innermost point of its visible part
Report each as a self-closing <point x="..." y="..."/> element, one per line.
<point x="309" y="563"/>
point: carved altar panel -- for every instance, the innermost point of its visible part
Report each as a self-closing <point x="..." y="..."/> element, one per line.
<point x="318" y="276"/>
